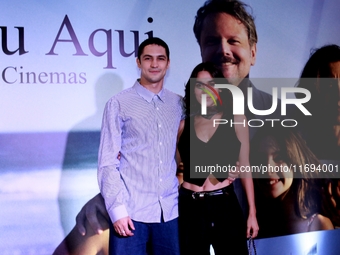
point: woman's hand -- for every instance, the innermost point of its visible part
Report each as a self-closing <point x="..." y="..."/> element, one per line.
<point x="233" y="175"/>
<point x="252" y="226"/>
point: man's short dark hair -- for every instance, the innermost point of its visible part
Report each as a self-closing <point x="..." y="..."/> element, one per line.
<point x="234" y="8"/>
<point x="153" y="40"/>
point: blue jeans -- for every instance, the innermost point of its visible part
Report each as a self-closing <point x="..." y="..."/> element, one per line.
<point x="149" y="238"/>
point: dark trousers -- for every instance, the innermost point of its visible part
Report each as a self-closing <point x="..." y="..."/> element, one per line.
<point x="149" y="238"/>
<point x="211" y="220"/>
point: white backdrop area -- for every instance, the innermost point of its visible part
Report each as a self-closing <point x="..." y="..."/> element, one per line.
<point x="60" y="61"/>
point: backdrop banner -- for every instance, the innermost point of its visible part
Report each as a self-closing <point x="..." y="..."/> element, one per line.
<point x="62" y="60"/>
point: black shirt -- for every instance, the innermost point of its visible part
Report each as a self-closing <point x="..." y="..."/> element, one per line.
<point x="220" y="153"/>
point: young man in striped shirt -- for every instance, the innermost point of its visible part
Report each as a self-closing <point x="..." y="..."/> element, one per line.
<point x="140" y="189"/>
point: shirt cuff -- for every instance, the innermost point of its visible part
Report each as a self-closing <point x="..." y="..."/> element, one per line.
<point x="118" y="213"/>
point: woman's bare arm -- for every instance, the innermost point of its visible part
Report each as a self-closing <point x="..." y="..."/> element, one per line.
<point x="242" y="133"/>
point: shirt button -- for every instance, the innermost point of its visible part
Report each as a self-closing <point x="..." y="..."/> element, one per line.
<point x="160" y="197"/>
<point x="161" y="162"/>
<point x="159" y="125"/>
<point x="157" y="108"/>
<point x="160" y="143"/>
<point x="160" y="180"/>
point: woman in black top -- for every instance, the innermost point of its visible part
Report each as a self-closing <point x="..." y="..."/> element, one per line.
<point x="209" y="146"/>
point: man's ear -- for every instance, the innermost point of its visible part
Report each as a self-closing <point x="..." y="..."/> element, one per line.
<point x="138" y="62"/>
<point x="253" y="51"/>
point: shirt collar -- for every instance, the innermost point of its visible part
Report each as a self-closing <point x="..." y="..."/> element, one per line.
<point x="147" y="94"/>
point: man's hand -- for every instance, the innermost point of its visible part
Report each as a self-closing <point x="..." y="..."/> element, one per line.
<point x="124" y="226"/>
<point x="94" y="211"/>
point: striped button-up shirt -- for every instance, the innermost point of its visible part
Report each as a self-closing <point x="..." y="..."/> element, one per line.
<point x="143" y="127"/>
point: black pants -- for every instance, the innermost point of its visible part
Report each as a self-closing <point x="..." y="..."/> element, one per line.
<point x="211" y="220"/>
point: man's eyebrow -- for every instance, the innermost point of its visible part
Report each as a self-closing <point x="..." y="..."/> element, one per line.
<point x="157" y="56"/>
<point x="209" y="37"/>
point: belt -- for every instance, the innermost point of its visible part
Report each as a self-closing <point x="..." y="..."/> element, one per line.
<point x="205" y="194"/>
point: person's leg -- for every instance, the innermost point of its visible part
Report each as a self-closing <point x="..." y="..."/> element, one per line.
<point x="133" y="245"/>
<point x="164" y="238"/>
<point x="193" y="225"/>
<point x="229" y="232"/>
